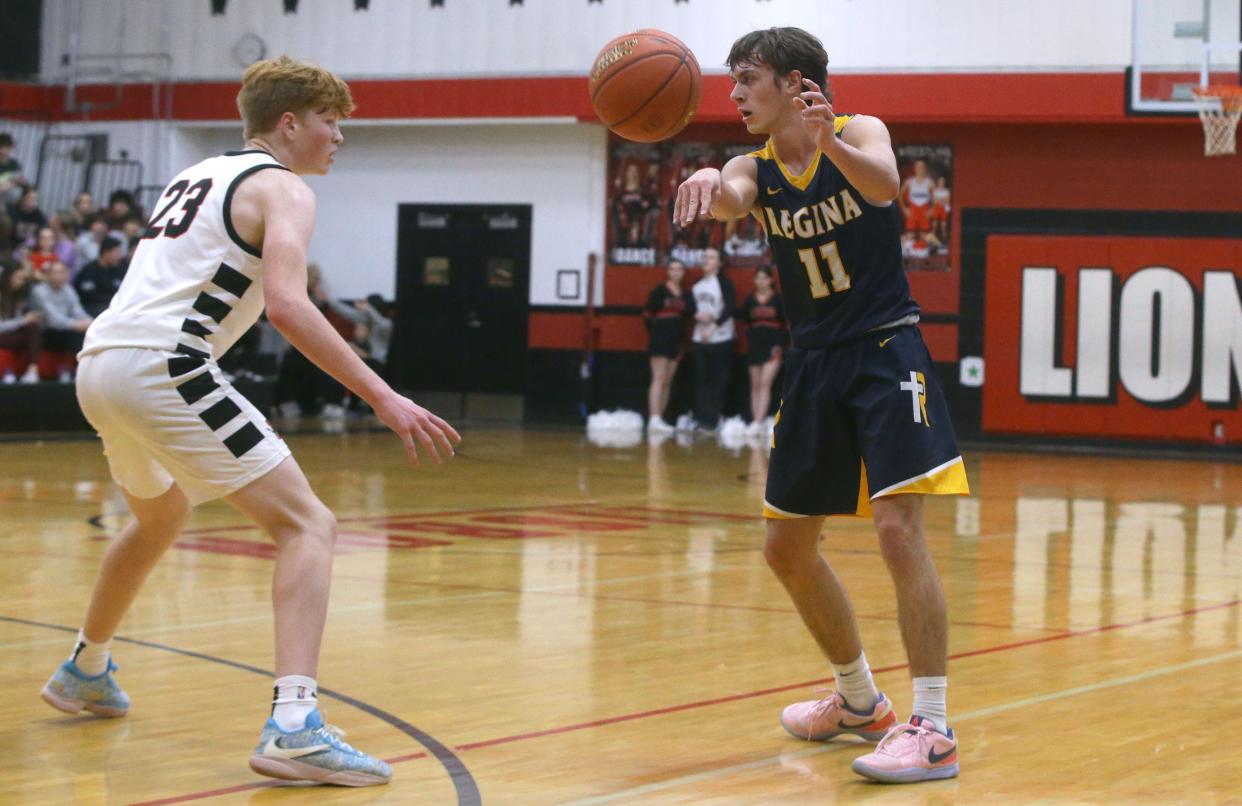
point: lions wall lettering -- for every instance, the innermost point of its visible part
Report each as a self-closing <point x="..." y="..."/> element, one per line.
<point x="1114" y="337"/>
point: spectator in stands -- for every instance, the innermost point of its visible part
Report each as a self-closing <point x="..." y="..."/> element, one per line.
<point x="379" y="312"/>
<point x="91" y="238"/>
<point x="79" y="218"/>
<point x="715" y="305"/>
<point x="98" y="280"/>
<point x="20" y="326"/>
<point x="121" y="206"/>
<point x="11" y="179"/>
<point x="373" y="314"/>
<point x="131" y="232"/>
<point x="38" y="253"/>
<point x="668" y="307"/>
<point x="6" y="234"/>
<point x="65" y="248"/>
<point x="27" y="217"/>
<point x="766" y="337"/>
<point x="64" y="319"/>
<point x="302" y="387"/>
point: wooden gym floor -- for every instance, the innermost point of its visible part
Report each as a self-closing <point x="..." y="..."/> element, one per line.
<point x="548" y="621"/>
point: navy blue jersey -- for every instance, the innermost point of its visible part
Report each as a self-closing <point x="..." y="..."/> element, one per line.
<point x="839" y="257"/>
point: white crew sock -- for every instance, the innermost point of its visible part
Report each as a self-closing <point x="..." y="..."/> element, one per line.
<point x="929" y="700"/>
<point x="91" y="658"/>
<point x="293" y="700"/>
<point x="855" y="684"/>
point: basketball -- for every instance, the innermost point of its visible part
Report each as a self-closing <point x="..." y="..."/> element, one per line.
<point x="646" y="85"/>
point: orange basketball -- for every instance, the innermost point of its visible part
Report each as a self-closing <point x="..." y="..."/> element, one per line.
<point x="645" y="86"/>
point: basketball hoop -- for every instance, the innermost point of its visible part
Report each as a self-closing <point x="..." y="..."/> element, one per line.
<point x="1219" y="107"/>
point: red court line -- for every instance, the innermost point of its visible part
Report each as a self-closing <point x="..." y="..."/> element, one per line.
<point x="364" y="519"/>
<point x="578" y="505"/>
<point x="747" y="695"/>
<point x="894" y="667"/>
<point x="210" y="793"/>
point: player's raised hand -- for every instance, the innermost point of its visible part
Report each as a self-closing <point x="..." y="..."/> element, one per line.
<point x="410" y="422"/>
<point x="696" y="196"/>
<point x="817" y="114"/>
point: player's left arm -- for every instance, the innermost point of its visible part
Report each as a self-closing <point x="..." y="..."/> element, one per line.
<point x="863" y="152"/>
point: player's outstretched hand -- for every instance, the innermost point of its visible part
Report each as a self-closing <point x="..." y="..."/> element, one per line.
<point x="411" y="422"/>
<point x="817" y="114"/>
<point x="696" y="196"/>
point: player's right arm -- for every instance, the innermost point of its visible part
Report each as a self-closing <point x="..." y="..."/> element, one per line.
<point x="282" y="209"/>
<point x="722" y="194"/>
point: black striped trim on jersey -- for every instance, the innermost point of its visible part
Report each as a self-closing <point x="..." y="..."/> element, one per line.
<point x="228" y="279"/>
<point x="228" y="205"/>
<point x="231" y="280"/>
<point x="179" y="365"/>
<point x="195" y="328"/>
<point x="196" y="388"/>
<point x="208" y="305"/>
<point x="218" y="414"/>
<point x="243" y="439"/>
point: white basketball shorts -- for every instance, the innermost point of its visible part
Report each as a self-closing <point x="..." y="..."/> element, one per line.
<point x="168" y="417"/>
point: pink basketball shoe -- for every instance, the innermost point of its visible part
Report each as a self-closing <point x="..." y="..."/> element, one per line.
<point x="820" y="720"/>
<point x="909" y="753"/>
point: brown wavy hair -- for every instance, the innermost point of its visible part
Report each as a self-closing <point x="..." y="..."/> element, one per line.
<point x="273" y="87"/>
<point x="784" y="50"/>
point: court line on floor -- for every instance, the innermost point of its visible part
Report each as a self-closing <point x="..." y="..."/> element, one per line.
<point x="463" y="782"/>
<point x="978" y="713"/>
<point x="1043" y="639"/>
<point x="807" y="684"/>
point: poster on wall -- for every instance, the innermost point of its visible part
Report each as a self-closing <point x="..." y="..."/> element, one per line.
<point x="635" y="211"/>
<point x="926" y="202"/>
<point x="642" y="190"/>
<point x="743" y="240"/>
<point x="687" y="243"/>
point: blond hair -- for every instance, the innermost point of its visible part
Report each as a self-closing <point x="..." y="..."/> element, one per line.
<point x="273" y="87"/>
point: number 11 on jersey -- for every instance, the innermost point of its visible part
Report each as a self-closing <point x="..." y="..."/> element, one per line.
<point x="832" y="256"/>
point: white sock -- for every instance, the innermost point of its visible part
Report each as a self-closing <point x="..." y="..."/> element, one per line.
<point x="90" y="657"/>
<point x="855" y="684"/>
<point x="929" y="700"/>
<point x="293" y="700"/>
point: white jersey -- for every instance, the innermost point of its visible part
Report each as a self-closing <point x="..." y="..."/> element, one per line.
<point x="709" y="298"/>
<point x="919" y="190"/>
<point x="193" y="285"/>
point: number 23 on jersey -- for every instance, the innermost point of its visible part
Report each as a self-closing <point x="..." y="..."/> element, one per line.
<point x="174" y="223"/>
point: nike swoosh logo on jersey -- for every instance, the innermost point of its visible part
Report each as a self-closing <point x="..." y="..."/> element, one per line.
<point x="936" y="758"/>
<point x="774" y="191"/>
<point x="274" y="749"/>
<point x="886" y="341"/>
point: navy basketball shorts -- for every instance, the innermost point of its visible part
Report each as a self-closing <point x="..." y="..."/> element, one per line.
<point x="859" y="421"/>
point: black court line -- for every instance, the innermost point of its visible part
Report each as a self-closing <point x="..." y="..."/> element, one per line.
<point x="463" y="781"/>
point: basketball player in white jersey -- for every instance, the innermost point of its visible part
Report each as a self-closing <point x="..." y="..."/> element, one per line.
<point x="915" y="199"/>
<point x="229" y="236"/>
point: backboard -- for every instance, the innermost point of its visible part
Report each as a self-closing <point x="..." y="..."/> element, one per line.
<point x="1178" y="45"/>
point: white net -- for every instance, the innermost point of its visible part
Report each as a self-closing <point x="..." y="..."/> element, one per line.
<point x="1219" y="107"/>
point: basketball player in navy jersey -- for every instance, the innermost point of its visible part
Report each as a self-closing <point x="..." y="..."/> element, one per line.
<point x="229" y="238"/>
<point x="863" y="427"/>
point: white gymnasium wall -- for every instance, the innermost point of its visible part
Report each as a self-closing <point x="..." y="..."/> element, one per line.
<point x="489" y="37"/>
<point x="559" y="169"/>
